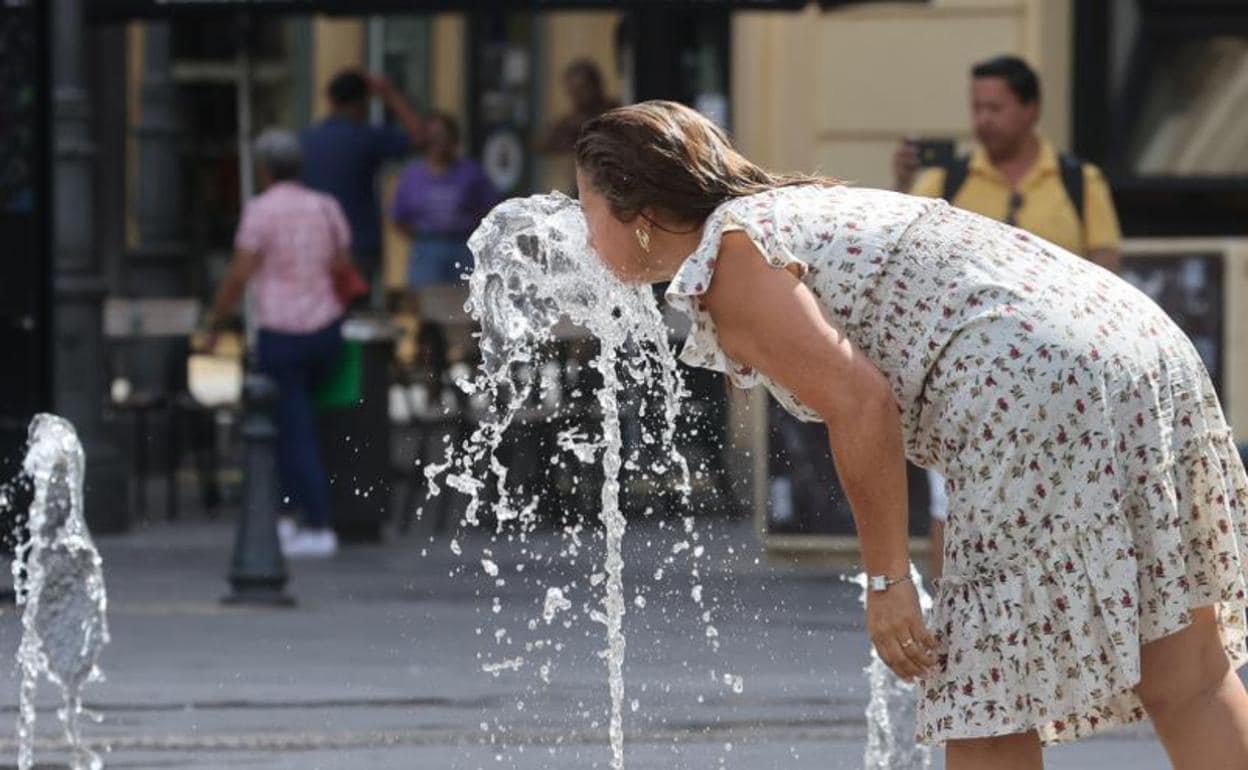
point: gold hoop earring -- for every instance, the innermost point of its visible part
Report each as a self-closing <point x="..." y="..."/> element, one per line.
<point x="643" y="239"/>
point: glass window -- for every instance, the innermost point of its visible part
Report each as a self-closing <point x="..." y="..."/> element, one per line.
<point x="1161" y="88"/>
<point x="1190" y="120"/>
<point x="405" y="58"/>
<point x="203" y="75"/>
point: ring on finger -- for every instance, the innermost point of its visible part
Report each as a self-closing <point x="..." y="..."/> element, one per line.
<point x="908" y="643"/>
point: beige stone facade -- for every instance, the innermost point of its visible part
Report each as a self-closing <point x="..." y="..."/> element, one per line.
<point x="833" y="91"/>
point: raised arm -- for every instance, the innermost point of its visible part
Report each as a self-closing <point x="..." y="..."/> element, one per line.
<point x="767" y="319"/>
<point x="413" y="124"/>
<point x="1100" y="222"/>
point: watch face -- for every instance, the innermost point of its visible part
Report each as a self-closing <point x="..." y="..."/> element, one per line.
<point x="879" y="583"/>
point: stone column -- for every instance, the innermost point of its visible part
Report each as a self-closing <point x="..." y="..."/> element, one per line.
<point x="159" y="266"/>
<point x="78" y="280"/>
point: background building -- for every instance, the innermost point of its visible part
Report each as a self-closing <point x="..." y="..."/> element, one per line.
<point x="156" y="101"/>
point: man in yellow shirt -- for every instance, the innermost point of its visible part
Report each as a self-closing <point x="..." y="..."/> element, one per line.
<point x="1014" y="175"/>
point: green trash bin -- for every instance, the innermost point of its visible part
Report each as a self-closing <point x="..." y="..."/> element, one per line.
<point x="343" y="388"/>
<point x="354" y="422"/>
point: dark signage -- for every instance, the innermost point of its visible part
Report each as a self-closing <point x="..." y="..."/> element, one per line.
<point x="120" y="10"/>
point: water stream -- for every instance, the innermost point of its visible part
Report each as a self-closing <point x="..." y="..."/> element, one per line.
<point x="535" y="282"/>
<point x="891" y="718"/>
<point x="59" y="581"/>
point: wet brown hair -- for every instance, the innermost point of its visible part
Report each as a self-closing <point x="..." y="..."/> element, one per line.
<point x="667" y="156"/>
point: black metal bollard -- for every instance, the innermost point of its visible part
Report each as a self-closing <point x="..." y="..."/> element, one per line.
<point x="257" y="570"/>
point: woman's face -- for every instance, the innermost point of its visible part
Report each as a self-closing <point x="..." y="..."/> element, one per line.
<point x="613" y="240"/>
<point x="442" y="144"/>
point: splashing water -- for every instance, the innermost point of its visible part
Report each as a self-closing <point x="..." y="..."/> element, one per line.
<point x="891" y="718"/>
<point x="534" y="273"/>
<point x="59" y="578"/>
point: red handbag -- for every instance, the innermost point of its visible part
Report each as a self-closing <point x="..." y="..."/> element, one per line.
<point x="349" y="285"/>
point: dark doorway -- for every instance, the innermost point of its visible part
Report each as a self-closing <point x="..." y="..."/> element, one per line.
<point x="25" y="174"/>
<point x="682" y="54"/>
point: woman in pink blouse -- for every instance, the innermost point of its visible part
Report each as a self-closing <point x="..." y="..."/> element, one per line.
<point x="290" y="240"/>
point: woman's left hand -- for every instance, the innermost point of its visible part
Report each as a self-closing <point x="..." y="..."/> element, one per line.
<point x="895" y="625"/>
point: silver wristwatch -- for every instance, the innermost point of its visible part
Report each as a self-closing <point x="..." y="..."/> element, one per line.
<point x="881" y="583"/>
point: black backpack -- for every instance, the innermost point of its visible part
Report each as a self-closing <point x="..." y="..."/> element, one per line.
<point x="1071" y="169"/>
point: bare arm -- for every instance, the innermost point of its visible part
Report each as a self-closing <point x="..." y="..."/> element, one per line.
<point x="755" y="307"/>
<point x="1110" y="259"/>
<point x="241" y="268"/>
<point x="905" y="165"/>
<point x="394" y="100"/>
<point x="767" y="319"/>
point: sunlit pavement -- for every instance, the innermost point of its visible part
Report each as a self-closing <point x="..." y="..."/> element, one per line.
<point x="381" y="663"/>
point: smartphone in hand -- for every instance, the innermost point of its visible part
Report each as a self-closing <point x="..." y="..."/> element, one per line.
<point x="935" y="152"/>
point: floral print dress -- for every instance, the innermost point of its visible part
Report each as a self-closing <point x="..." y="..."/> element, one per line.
<point x="1095" y="492"/>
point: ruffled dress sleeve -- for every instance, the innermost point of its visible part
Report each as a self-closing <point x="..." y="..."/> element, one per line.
<point x="757" y="216"/>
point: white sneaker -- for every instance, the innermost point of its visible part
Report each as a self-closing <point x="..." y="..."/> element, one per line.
<point x="286" y="529"/>
<point x="311" y="544"/>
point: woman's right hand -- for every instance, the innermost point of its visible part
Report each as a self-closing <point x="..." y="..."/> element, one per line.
<point x="905" y="165"/>
<point x="895" y="625"/>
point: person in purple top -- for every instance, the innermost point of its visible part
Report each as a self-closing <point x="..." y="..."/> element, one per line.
<point x="438" y="203"/>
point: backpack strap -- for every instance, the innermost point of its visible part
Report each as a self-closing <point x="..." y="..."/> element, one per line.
<point x="1070" y="167"/>
<point x="955" y="177"/>
<point x="1072" y="179"/>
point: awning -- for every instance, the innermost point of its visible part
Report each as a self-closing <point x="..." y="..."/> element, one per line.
<point x="122" y="10"/>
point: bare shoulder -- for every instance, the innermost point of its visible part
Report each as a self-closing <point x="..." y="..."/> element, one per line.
<point x="766" y="319"/>
<point x="748" y="298"/>
<point x="742" y="272"/>
<point x="738" y="266"/>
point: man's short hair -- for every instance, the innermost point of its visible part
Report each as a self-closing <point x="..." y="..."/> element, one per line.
<point x="347" y="88"/>
<point x="277" y="150"/>
<point x="1017" y="74"/>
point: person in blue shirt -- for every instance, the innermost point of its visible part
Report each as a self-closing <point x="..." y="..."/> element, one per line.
<point x="343" y="153"/>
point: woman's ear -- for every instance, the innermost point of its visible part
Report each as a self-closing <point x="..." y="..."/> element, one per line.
<point x="662" y="221"/>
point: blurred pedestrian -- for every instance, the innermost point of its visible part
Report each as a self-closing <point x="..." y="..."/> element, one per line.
<point x="1015" y="176"/>
<point x="583" y="84"/>
<point x="343" y="153"/>
<point x="438" y="202"/>
<point x="290" y="243"/>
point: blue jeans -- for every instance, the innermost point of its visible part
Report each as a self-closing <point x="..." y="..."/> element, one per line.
<point x="438" y="259"/>
<point x="298" y="363"/>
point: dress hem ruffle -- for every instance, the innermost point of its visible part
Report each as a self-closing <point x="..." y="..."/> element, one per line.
<point x="1074" y="593"/>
